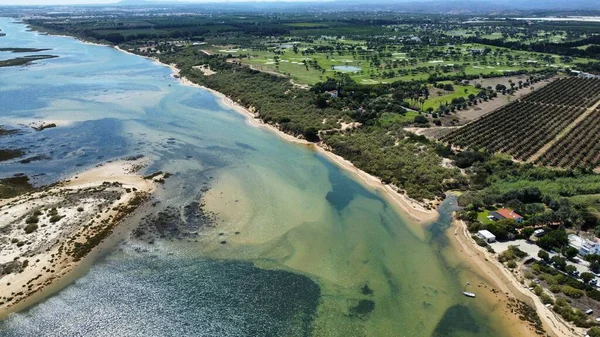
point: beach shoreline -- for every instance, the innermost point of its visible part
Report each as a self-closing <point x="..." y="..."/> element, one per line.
<point x="488" y="265"/>
<point x="91" y="207"/>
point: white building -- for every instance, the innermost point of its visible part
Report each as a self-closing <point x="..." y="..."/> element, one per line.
<point x="585" y="247"/>
<point x="486" y="235"/>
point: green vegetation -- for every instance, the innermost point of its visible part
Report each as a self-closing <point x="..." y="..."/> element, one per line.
<point x="405" y="163"/>
<point x="353" y="83"/>
<point x="23" y="61"/>
<point x="559" y="282"/>
<point x="483" y="217"/>
<point x="30" y="228"/>
<point x="511" y="256"/>
<point x="54" y="216"/>
<point x="594" y="332"/>
<point x="34" y="218"/>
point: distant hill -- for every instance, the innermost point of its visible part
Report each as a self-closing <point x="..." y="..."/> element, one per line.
<point x="412" y="6"/>
<point x="479" y="6"/>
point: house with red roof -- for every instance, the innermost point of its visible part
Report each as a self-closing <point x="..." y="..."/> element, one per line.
<point x="506" y="213"/>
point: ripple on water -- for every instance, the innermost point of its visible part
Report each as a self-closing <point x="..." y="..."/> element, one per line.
<point x="128" y="297"/>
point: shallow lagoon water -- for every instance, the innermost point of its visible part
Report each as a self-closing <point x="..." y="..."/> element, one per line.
<point x="311" y="237"/>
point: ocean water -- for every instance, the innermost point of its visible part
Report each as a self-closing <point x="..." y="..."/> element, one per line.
<point x="316" y="252"/>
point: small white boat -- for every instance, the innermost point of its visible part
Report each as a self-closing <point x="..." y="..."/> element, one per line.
<point x="468" y="294"/>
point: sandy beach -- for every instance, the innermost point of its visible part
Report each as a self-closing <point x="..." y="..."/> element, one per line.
<point x="51" y="234"/>
<point x="502" y="279"/>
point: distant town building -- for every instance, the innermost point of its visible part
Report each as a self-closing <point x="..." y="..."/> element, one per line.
<point x="486" y="235"/>
<point x="506" y="213"/>
<point x="585" y="247"/>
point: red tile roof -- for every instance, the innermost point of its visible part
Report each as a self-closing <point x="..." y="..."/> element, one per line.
<point x="508" y="213"/>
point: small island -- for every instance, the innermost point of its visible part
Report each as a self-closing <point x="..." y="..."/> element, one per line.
<point x="23" y="50"/>
<point x="46" y="233"/>
<point x="25" y="60"/>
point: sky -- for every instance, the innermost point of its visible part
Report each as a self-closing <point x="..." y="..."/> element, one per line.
<point x="52" y="2"/>
<point x="87" y="2"/>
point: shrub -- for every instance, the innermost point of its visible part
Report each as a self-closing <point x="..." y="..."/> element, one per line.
<point x="480" y="242"/>
<point x="593" y="294"/>
<point x="30" y="228"/>
<point x="518" y="253"/>
<point x="555" y="288"/>
<point x="32" y="219"/>
<point x="311" y="135"/>
<point x="511" y="264"/>
<point x="587" y="277"/>
<point x="56" y="218"/>
<point x="546" y="299"/>
<point x="594" y="332"/>
<point x="572" y="292"/>
<point x="561" y="302"/>
<point x="421" y="120"/>
<point x="542" y="254"/>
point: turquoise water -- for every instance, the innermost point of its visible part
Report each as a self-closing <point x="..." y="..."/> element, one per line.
<point x="310" y="237"/>
<point x="346" y="68"/>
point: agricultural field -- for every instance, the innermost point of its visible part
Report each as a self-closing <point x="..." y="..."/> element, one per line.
<point x="519" y="129"/>
<point x="569" y="92"/>
<point x="556" y="126"/>
<point x="579" y="148"/>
